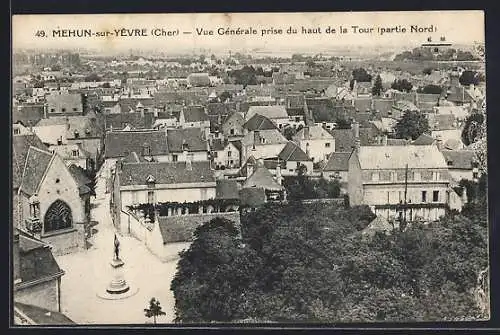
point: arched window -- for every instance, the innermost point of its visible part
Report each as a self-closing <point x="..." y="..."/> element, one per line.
<point x="58" y="217"/>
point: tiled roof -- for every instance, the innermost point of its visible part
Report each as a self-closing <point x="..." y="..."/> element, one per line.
<point x="121" y="143"/>
<point x="227" y="189"/>
<point x="396" y="157"/>
<point x="294" y="101"/>
<point x="194" y="114"/>
<point x="219" y="145"/>
<point x="36" y="259"/>
<point x="271" y="112"/>
<point x="383" y="105"/>
<point x="135" y="120"/>
<point x="37" y="163"/>
<point x="363" y="105"/>
<point x="459" y="159"/>
<point x="85" y="125"/>
<point x="378" y="224"/>
<point x="20" y="148"/>
<point x="67" y="99"/>
<point x="166" y="173"/>
<point x="292" y="152"/>
<point x="338" y="161"/>
<point x="218" y="108"/>
<point x="42" y="316"/>
<point x="424" y="139"/>
<point x="78" y="174"/>
<point x="28" y="114"/>
<point x="259" y="122"/>
<point x="316" y="132"/>
<point x="192" y="137"/>
<point x="262" y="178"/>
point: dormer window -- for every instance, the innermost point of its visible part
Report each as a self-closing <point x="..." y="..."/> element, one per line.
<point x="77" y="134"/>
<point x="450" y="163"/>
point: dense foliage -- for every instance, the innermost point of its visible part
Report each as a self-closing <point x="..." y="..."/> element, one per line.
<point x="377" y="86"/>
<point x="302" y="187"/>
<point x="472" y="130"/>
<point x="308" y="262"/>
<point x="411" y="125"/>
<point x="423" y="54"/>
<point x="431" y="89"/>
<point x="402" y="85"/>
<point x="360" y="75"/>
<point x="469" y="77"/>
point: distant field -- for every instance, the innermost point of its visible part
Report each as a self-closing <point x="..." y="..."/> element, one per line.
<point x="415" y="67"/>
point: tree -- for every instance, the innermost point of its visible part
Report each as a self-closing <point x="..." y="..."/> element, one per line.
<point x="377" y="86"/>
<point x="359" y="75"/>
<point x="473" y="128"/>
<point x="402" y="85"/>
<point x="93" y="77"/>
<point x="225" y="96"/>
<point x="469" y="77"/>
<point x="427" y="70"/>
<point x="411" y="125"/>
<point x="343" y="124"/>
<point x="431" y="89"/>
<point x="154" y="309"/>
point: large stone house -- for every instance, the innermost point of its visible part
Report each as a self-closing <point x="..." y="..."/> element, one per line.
<point x="398" y="181"/>
<point x="151" y="182"/>
<point x="316" y="142"/>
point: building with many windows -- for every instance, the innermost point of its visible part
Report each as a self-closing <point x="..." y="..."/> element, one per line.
<point x="399" y="181"/>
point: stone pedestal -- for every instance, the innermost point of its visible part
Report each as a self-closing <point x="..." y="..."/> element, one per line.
<point x="118" y="287"/>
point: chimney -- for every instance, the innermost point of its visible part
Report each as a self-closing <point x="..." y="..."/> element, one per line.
<point x="279" y="177"/>
<point x="384" y="140"/>
<point x="306" y="132"/>
<point x="464" y="196"/>
<point x="256" y="138"/>
<point x="355" y="129"/>
<point x="45" y="108"/>
<point x="439" y="142"/>
<point x="189" y="159"/>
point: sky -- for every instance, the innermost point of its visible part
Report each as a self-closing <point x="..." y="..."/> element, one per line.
<point x="458" y="27"/>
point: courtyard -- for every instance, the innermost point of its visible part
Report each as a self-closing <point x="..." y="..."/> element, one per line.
<point x="88" y="272"/>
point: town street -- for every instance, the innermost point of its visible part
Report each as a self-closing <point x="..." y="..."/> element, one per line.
<point x="88" y="272"/>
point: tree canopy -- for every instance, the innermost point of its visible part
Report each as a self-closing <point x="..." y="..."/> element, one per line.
<point x="469" y="77"/>
<point x="302" y="262"/>
<point x="377" y="86"/>
<point x="402" y="85"/>
<point x="411" y="125"/>
<point x="431" y="89"/>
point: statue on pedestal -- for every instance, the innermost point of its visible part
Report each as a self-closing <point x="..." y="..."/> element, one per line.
<point x="117" y="248"/>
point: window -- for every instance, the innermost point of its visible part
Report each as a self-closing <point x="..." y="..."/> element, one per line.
<point x="215" y="154"/>
<point x="74" y="153"/>
<point x="174" y="158"/>
<point x="231" y="131"/>
<point x="58" y="217"/>
<point x="63" y="109"/>
<point x="52" y="110"/>
<point x="17" y="131"/>
<point x="151" y="197"/>
<point x="327" y="145"/>
<point x="450" y="163"/>
<point x="424" y="196"/>
<point x="435" y="175"/>
<point x="475" y="174"/>
<point x="416" y="176"/>
<point x="435" y="196"/>
<point x="229" y="154"/>
<point x="375" y="176"/>
<point x="393" y="176"/>
<point x="75" y="109"/>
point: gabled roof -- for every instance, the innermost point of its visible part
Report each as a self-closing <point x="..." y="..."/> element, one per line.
<point x="166" y="173"/>
<point x="259" y="122"/>
<point x="28" y="114"/>
<point x="459" y="159"/>
<point x="218" y="108"/>
<point x="316" y="132"/>
<point x="338" y="161"/>
<point x="135" y="120"/>
<point x="192" y="137"/>
<point x="41" y="316"/>
<point x="363" y="104"/>
<point x="37" y="163"/>
<point x="424" y="139"/>
<point x="219" y="145"/>
<point x="397" y="157"/>
<point x="378" y="224"/>
<point x="20" y="148"/>
<point x="122" y="143"/>
<point x="78" y="174"/>
<point x="293" y="153"/>
<point x="227" y="189"/>
<point x="271" y="136"/>
<point x="262" y="178"/>
<point x="36" y="259"/>
<point x="72" y="99"/>
<point x="194" y="114"/>
<point x="271" y="112"/>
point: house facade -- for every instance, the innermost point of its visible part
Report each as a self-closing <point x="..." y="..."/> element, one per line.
<point x="400" y="181"/>
<point x="316" y="142"/>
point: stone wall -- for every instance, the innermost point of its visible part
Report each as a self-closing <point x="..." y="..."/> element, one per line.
<point x="44" y="295"/>
<point x="180" y="228"/>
